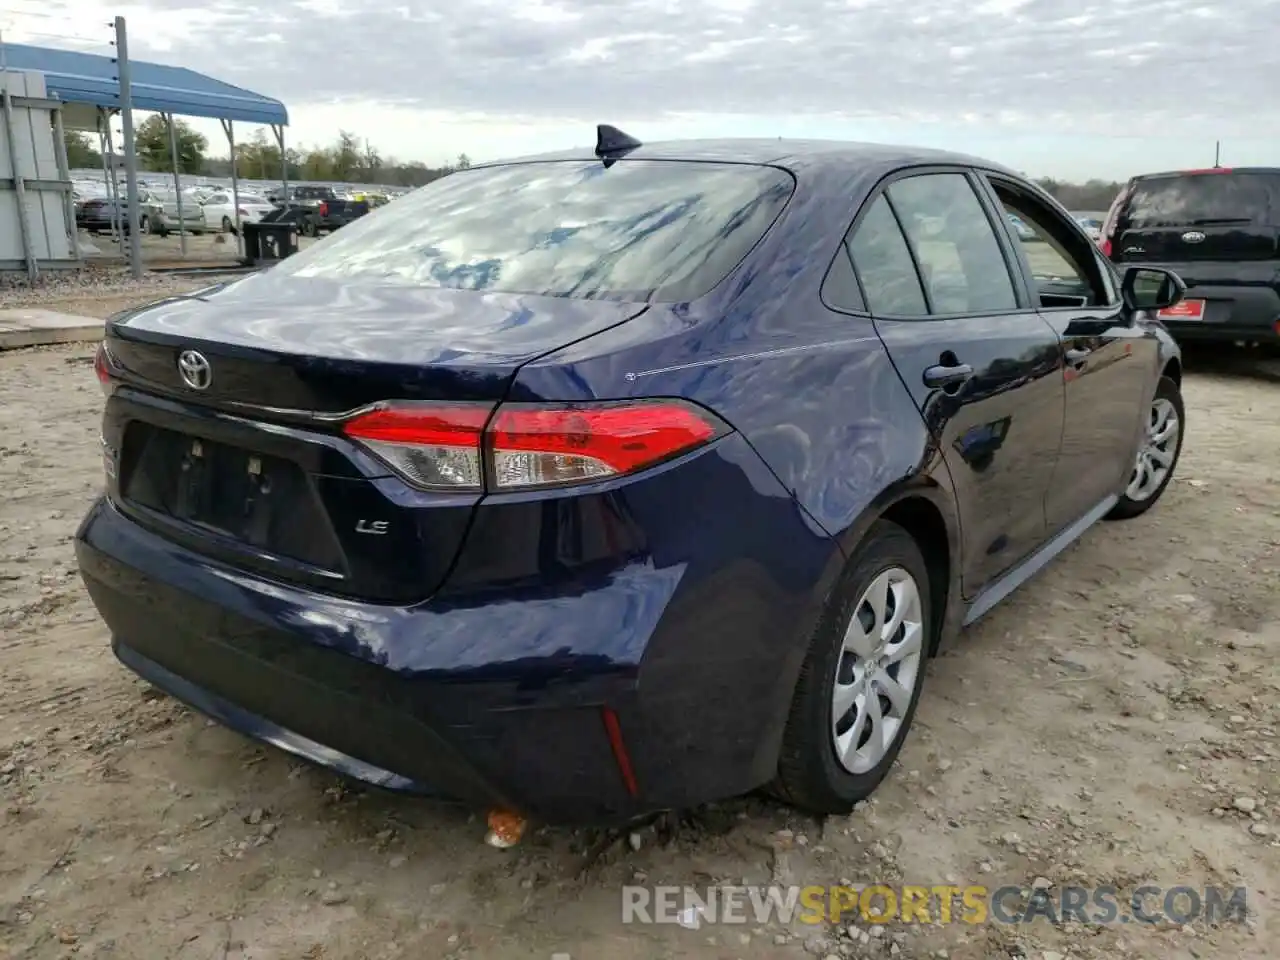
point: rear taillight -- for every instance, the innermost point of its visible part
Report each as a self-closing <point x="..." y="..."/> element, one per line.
<point x="431" y="446"/>
<point x="102" y="367"/>
<point x="1112" y="220"/>
<point x="324" y="209"/>
<point x="461" y="447"/>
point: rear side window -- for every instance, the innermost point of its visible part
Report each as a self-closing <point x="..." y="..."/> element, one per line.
<point x="883" y="261"/>
<point x="635" y="230"/>
<point x="1204" y="199"/>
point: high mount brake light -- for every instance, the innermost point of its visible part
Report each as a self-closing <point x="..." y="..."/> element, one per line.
<point x="527" y="446"/>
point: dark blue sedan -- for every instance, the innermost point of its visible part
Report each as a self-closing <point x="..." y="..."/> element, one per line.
<point x="619" y="480"/>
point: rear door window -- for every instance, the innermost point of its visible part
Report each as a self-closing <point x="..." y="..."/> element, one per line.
<point x="963" y="267"/>
<point x="1204" y="199"/>
<point x="633" y="230"/>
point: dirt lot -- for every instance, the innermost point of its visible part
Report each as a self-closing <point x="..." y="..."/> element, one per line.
<point x="1115" y="723"/>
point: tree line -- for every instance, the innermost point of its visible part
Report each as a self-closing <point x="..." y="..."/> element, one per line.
<point x="349" y="159"/>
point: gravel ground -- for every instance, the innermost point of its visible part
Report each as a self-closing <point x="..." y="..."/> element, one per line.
<point x="1114" y="723"/>
<point x="96" y="291"/>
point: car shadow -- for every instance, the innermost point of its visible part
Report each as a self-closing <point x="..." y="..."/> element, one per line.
<point x="1229" y="360"/>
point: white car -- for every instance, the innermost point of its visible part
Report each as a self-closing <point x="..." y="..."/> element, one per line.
<point x="221" y="212"/>
<point x="1092" y="226"/>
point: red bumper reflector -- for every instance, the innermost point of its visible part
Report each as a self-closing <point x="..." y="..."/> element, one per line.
<point x="623" y="759"/>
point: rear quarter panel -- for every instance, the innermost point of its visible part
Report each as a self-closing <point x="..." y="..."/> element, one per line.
<point x="811" y="390"/>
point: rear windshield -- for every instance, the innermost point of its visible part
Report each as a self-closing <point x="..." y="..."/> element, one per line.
<point x="636" y="230"/>
<point x="1205" y="199"/>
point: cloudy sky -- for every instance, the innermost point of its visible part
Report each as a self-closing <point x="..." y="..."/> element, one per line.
<point x="1069" y="88"/>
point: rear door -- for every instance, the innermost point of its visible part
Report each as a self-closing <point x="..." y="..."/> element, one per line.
<point x="979" y="361"/>
<point x="1109" y="363"/>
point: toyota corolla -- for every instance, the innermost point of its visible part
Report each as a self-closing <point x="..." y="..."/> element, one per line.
<point x="624" y="479"/>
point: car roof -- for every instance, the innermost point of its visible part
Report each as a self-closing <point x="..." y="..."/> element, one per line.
<point x="789" y="154"/>
<point x="1205" y="170"/>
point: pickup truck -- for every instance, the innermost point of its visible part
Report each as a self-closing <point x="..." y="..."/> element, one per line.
<point x="316" y="209"/>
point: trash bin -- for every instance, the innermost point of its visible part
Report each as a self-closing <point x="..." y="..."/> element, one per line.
<point x="269" y="242"/>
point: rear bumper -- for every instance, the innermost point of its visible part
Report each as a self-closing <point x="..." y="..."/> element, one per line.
<point x="317" y="679"/>
<point x="1242" y="302"/>
<point x="498" y="702"/>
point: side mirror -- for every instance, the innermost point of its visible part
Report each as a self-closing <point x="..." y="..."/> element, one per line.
<point x="1151" y="288"/>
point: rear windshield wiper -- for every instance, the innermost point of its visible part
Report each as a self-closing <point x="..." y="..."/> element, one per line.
<point x="1206" y="221"/>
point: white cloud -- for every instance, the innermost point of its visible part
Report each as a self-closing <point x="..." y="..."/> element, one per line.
<point x="430" y="78"/>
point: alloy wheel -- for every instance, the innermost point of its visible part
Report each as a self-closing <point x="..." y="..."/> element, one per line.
<point x="881" y="664"/>
<point x="1157" y="452"/>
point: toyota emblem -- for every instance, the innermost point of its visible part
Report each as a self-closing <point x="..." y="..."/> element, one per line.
<point x="1193" y="236"/>
<point x="195" y="370"/>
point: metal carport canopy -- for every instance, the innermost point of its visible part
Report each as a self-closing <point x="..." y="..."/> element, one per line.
<point x="88" y="78"/>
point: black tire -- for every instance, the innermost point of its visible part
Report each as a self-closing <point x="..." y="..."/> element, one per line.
<point x="810" y="775"/>
<point x="226" y="225"/>
<point x="310" y="228"/>
<point x="144" y="225"/>
<point x="1128" y="507"/>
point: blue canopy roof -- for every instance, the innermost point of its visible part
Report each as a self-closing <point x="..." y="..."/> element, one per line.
<point x="75" y="77"/>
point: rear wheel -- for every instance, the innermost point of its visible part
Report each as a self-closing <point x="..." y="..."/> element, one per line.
<point x="861" y="678"/>
<point x="144" y="225"/>
<point x="1157" y="454"/>
<point x="226" y="224"/>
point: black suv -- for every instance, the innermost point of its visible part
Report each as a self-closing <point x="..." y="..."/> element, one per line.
<point x="1219" y="230"/>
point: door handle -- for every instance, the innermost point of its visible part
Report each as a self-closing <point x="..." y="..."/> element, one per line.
<point x="947" y="375"/>
<point x="1077" y="357"/>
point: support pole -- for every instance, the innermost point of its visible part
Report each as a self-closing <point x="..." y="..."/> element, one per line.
<point x="130" y="148"/>
<point x="229" y="127"/>
<point x="64" y="173"/>
<point x="278" y="130"/>
<point x="19" y="185"/>
<point x="113" y="186"/>
<point x="177" y="181"/>
<point x="104" y="128"/>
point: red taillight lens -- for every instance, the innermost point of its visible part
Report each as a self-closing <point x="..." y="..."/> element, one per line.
<point x="447" y="446"/>
<point x="534" y="447"/>
<point x="1105" y="246"/>
<point x="102" y="367"/>
<point x="433" y="446"/>
<point x="324" y="209"/>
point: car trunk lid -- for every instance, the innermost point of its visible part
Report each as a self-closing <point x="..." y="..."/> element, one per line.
<point x="319" y="346"/>
<point x="248" y="465"/>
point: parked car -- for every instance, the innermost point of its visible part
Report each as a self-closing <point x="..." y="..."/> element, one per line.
<point x="1220" y="230"/>
<point x="221" y="208"/>
<point x="615" y="481"/>
<point x="158" y="214"/>
<point x="166" y="216"/>
<point x="1092" y="225"/>
<point x="97" y="214"/>
<point x="1024" y="232"/>
<point x="319" y="209"/>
